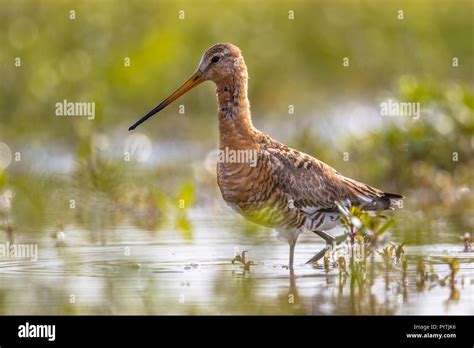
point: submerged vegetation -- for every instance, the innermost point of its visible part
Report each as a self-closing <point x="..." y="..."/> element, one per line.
<point x="369" y="254"/>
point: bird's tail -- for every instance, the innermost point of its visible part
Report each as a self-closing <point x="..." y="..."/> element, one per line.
<point x="394" y="200"/>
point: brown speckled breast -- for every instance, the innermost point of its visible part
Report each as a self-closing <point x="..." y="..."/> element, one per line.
<point x="255" y="192"/>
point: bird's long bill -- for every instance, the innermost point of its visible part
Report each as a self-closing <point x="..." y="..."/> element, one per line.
<point x="192" y="82"/>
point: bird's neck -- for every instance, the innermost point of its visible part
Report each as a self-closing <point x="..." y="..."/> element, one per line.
<point x="235" y="123"/>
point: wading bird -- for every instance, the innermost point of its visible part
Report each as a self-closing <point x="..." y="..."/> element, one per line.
<point x="287" y="190"/>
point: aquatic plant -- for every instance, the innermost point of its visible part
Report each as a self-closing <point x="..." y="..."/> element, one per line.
<point x="367" y="239"/>
<point x="466" y="241"/>
<point x="428" y="279"/>
<point x="240" y="257"/>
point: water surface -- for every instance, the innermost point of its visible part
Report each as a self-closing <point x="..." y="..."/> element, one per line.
<point x="124" y="270"/>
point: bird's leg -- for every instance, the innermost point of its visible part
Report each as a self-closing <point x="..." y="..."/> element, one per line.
<point x="342" y="238"/>
<point x="330" y="244"/>
<point x="319" y="255"/>
<point x="291" y="235"/>
<point x="292" y="254"/>
<point x="330" y="240"/>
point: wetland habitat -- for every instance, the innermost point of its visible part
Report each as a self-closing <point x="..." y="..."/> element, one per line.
<point x="134" y="223"/>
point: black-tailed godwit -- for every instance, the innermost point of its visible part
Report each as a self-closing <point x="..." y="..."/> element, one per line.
<point x="285" y="189"/>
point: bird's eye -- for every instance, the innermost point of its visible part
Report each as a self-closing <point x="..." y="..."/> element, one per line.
<point x="215" y="59"/>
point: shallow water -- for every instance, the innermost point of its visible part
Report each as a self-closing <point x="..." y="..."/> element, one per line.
<point x="128" y="271"/>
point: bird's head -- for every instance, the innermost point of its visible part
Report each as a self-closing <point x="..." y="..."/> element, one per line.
<point x="218" y="62"/>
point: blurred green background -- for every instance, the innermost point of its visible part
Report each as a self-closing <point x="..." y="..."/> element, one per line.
<point x="294" y="51"/>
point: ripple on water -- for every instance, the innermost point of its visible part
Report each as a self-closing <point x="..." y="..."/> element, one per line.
<point x="162" y="273"/>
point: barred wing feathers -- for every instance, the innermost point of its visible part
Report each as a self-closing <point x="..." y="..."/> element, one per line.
<point x="315" y="186"/>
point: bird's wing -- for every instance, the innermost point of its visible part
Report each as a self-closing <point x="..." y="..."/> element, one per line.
<point x="315" y="186"/>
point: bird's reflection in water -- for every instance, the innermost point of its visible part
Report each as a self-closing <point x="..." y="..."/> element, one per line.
<point x="293" y="296"/>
